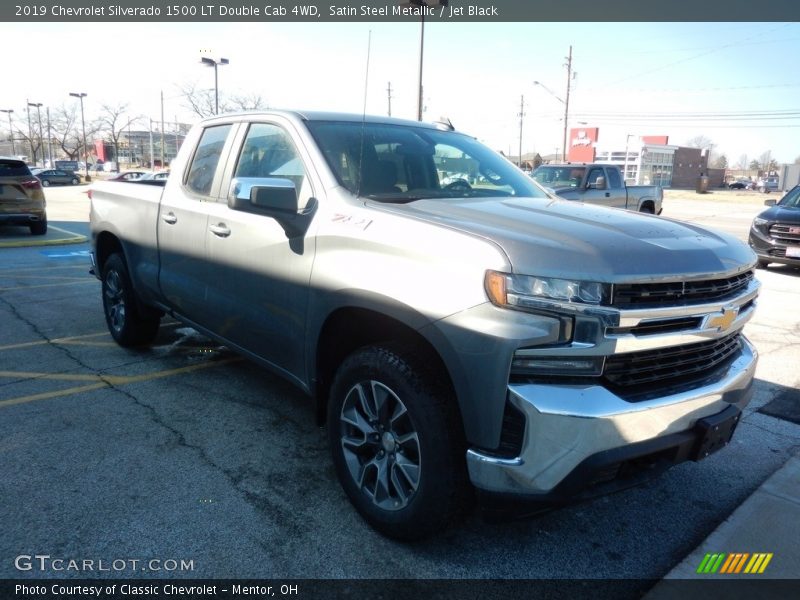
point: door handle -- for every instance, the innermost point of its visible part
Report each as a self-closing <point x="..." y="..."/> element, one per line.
<point x="170" y="218"/>
<point x="220" y="230"/>
<point x="608" y="194"/>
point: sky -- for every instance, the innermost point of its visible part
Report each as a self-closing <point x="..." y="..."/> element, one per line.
<point x="736" y="84"/>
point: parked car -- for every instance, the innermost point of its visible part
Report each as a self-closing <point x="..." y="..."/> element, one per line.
<point x="129" y="176"/>
<point x="59" y="176"/>
<point x="159" y="176"/>
<point x="767" y="185"/>
<point x="21" y="197"/>
<point x="775" y="233"/>
<point x="599" y="184"/>
<point x="67" y="165"/>
<point x="740" y="185"/>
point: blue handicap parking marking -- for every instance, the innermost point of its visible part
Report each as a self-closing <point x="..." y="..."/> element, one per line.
<point x="65" y="253"/>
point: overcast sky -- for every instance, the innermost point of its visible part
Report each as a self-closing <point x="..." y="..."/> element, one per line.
<point x="734" y="83"/>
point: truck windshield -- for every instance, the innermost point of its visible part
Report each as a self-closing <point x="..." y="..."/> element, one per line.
<point x="559" y="176"/>
<point x="402" y="163"/>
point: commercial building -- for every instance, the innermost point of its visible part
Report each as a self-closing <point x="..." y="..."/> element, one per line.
<point x="645" y="160"/>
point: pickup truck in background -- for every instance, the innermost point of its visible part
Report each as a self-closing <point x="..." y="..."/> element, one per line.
<point x="456" y="336"/>
<point x="599" y="184"/>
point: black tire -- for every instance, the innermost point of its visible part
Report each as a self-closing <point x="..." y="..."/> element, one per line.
<point x="416" y="441"/>
<point x="124" y="317"/>
<point x="75" y="181"/>
<point x="45" y="182"/>
<point x="762" y="264"/>
<point x="647" y="208"/>
<point x="38" y="227"/>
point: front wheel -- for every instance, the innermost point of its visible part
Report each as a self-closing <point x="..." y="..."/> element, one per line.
<point x="75" y="181"/>
<point x="397" y="442"/>
<point x="126" y="321"/>
<point x="45" y="182"/>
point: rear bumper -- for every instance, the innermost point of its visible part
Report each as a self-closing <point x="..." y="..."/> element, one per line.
<point x="25" y="218"/>
<point x="576" y="437"/>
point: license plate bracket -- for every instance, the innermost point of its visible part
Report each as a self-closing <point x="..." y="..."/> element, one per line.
<point x="793" y="251"/>
<point x="715" y="432"/>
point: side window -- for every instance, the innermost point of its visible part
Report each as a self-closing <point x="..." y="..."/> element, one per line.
<point x="594" y="175"/>
<point x="268" y="151"/>
<point x="614" y="180"/>
<point x="206" y="159"/>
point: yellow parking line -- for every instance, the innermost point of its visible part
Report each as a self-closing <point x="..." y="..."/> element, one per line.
<point x="105" y="380"/>
<point x="64" y="340"/>
<point x="60" y="376"/>
<point x="55" y="394"/>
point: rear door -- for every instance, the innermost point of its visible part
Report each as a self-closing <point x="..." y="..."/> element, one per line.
<point x="182" y="225"/>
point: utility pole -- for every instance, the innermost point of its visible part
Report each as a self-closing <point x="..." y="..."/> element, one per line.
<point x="162" y="129"/>
<point x="8" y="111"/>
<point x="49" y="140"/>
<point x="389" y="97"/>
<point x="30" y="131"/>
<point x="521" y="115"/>
<point x="152" y="158"/>
<point x="566" y="104"/>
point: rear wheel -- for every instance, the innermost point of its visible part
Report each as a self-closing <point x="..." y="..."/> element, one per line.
<point x="45" y="182"/>
<point x="75" y="181"/>
<point x="397" y="442"/>
<point x="39" y="227"/>
<point x="647" y="208"/>
<point x="125" y="319"/>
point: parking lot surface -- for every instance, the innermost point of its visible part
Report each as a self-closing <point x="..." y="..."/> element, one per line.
<point x="185" y="452"/>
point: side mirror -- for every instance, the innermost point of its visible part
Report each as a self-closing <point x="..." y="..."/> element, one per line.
<point x="770" y="202"/>
<point x="599" y="184"/>
<point x="263" y="195"/>
<point x="274" y="197"/>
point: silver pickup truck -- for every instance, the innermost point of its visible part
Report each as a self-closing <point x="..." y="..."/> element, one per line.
<point x="599" y="184"/>
<point x="477" y="334"/>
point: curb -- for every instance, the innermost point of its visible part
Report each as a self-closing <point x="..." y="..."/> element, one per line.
<point x="75" y="238"/>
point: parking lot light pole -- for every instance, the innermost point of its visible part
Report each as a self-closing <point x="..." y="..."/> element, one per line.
<point x="566" y="109"/>
<point x="210" y="62"/>
<point x="81" y="96"/>
<point x="8" y="111"/>
<point x="38" y="106"/>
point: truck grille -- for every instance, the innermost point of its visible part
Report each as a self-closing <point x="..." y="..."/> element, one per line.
<point x="787" y="233"/>
<point x="679" y="366"/>
<point x="678" y="293"/>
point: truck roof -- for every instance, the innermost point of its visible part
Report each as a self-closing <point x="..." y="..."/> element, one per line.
<point x="314" y="115"/>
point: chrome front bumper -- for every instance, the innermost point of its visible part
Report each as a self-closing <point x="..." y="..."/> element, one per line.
<point x="567" y="424"/>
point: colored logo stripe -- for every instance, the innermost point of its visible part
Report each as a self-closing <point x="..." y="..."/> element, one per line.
<point x="734" y="563"/>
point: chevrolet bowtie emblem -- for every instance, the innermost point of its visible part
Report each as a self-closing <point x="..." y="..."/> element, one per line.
<point x="724" y="320"/>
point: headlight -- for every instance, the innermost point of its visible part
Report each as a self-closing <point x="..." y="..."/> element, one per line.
<point x="521" y="291"/>
<point x="759" y="222"/>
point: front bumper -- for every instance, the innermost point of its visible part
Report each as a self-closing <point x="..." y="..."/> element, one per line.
<point x="769" y="250"/>
<point x="570" y="428"/>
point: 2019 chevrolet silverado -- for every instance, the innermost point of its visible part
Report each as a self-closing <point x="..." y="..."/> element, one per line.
<point x="457" y="333"/>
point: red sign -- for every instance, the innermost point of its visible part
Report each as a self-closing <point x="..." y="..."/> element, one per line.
<point x="582" y="142"/>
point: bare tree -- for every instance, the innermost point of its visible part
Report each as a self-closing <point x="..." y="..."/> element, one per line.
<point x="699" y="141"/>
<point x="66" y="130"/>
<point x="201" y="101"/>
<point x="114" y="119"/>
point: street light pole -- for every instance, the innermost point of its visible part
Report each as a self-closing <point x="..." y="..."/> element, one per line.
<point x="8" y="111"/>
<point x="30" y="130"/>
<point x="38" y="106"/>
<point x="81" y="96"/>
<point x="210" y="62"/>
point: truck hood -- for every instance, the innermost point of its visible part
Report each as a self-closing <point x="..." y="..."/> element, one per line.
<point x="784" y="215"/>
<point x="559" y="238"/>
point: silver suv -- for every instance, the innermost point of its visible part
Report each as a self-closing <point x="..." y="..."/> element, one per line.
<point x="21" y="197"/>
